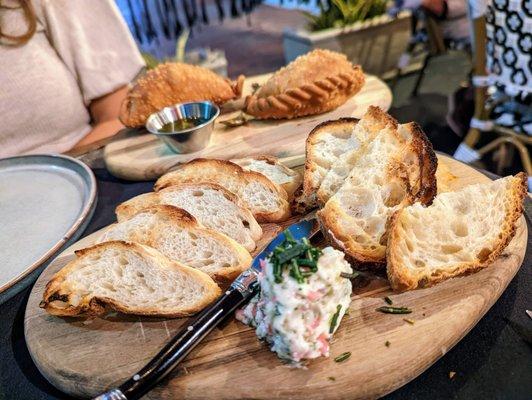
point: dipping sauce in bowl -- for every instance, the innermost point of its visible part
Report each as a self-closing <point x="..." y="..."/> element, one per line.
<point x="181" y="125"/>
<point x="185" y="127"/>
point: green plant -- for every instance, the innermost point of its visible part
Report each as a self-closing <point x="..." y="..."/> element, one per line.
<point x="339" y="13"/>
<point x="179" y="56"/>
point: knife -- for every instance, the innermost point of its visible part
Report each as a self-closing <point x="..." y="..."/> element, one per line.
<point x="241" y="290"/>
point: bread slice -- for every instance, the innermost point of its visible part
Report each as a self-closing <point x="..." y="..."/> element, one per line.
<point x="212" y="205"/>
<point x="265" y="199"/>
<point x="130" y="278"/>
<point x="461" y="232"/>
<point x="324" y="145"/>
<point x="374" y="121"/>
<point x="178" y="235"/>
<point x="396" y="169"/>
<point x="275" y="171"/>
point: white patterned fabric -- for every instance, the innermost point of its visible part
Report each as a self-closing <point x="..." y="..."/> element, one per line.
<point x="509" y="31"/>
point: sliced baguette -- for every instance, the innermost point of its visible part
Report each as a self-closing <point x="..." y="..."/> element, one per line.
<point x="275" y="171"/>
<point x="178" y="235"/>
<point x="130" y="278"/>
<point x="396" y="169"/>
<point x="374" y="121"/>
<point x="461" y="232"/>
<point x="212" y="205"/>
<point x="324" y="145"/>
<point x="265" y="199"/>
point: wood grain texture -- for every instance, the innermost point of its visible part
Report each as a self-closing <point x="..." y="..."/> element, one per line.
<point x="83" y="357"/>
<point x="140" y="157"/>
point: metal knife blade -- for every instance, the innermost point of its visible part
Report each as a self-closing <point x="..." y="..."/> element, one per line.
<point x="246" y="281"/>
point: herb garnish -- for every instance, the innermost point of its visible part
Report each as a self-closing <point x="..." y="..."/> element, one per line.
<point x="343" y="356"/>
<point x="334" y="319"/>
<point x="349" y="276"/>
<point x="300" y="259"/>
<point x="388" y="300"/>
<point x="394" y="310"/>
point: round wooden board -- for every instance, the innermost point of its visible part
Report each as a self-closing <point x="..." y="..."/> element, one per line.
<point x="135" y="156"/>
<point x="83" y="357"/>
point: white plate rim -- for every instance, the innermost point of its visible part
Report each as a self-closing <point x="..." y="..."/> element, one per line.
<point x="86" y="212"/>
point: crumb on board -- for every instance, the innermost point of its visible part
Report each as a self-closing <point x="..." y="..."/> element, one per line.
<point x="451" y="374"/>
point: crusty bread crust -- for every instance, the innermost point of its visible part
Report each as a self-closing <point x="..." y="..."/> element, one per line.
<point x="419" y="182"/>
<point x="401" y="278"/>
<point x="428" y="186"/>
<point x="185" y="220"/>
<point x="314" y="83"/>
<point x="55" y="290"/>
<point x="218" y="171"/>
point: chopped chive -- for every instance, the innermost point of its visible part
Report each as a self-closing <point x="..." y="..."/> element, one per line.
<point x="295" y="272"/>
<point x="388" y="300"/>
<point x="387" y="343"/>
<point x="348" y="275"/>
<point x="394" y="310"/>
<point x="306" y="263"/>
<point x="277" y="273"/>
<point x="290" y="253"/>
<point x="334" y="319"/>
<point x="288" y="236"/>
<point x="343" y="356"/>
<point x="410" y="321"/>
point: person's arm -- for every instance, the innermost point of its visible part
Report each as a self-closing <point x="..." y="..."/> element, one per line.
<point x="104" y="111"/>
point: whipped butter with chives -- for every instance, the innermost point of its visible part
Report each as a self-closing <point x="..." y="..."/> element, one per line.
<point x="299" y="307"/>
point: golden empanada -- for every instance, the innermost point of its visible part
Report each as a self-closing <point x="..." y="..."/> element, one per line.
<point x="314" y="83"/>
<point x="172" y="83"/>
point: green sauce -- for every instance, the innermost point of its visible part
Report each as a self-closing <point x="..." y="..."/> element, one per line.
<point x="181" y="125"/>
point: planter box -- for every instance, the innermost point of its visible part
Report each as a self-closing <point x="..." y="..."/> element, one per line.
<point x="376" y="44"/>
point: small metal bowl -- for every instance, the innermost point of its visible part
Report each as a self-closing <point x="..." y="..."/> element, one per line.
<point x="186" y="140"/>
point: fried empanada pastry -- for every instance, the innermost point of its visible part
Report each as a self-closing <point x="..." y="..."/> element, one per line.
<point x="314" y="83"/>
<point x="172" y="83"/>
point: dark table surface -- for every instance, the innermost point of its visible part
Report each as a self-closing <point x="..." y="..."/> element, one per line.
<point x="492" y="362"/>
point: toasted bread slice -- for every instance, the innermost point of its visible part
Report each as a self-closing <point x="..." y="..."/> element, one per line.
<point x="396" y="169"/>
<point x="265" y="199"/>
<point x="275" y="171"/>
<point x="130" y="278"/>
<point x="178" y="235"/>
<point x="212" y="205"/>
<point x="461" y="232"/>
<point x="324" y="145"/>
<point x="374" y="121"/>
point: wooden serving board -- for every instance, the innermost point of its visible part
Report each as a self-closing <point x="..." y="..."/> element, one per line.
<point x="138" y="155"/>
<point x="84" y="357"/>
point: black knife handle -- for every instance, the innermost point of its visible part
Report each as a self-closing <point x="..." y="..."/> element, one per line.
<point x="174" y="352"/>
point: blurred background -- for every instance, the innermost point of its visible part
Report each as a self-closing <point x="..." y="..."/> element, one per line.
<point x="421" y="48"/>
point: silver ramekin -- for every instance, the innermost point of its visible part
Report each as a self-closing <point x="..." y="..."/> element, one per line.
<point x="187" y="140"/>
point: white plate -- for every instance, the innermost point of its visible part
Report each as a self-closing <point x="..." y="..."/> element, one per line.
<point x="45" y="203"/>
